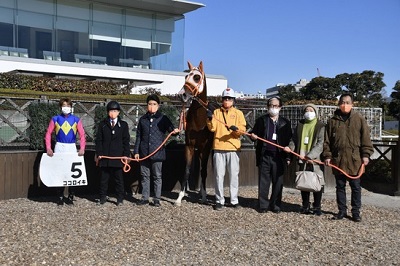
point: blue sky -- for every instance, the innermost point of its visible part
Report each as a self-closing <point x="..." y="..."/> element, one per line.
<point x="256" y="44"/>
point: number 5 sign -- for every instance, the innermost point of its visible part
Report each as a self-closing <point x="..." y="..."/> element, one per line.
<point x="63" y="169"/>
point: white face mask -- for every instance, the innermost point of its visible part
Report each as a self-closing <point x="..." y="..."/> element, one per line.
<point x="273" y="111"/>
<point x="66" y="110"/>
<point x="309" y="115"/>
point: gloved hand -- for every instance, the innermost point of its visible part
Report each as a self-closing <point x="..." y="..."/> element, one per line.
<point x="209" y="114"/>
<point x="233" y="128"/>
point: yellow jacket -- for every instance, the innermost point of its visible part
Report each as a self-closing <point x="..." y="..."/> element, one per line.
<point x="224" y="138"/>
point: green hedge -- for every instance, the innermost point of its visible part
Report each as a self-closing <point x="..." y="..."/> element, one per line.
<point x="40" y="114"/>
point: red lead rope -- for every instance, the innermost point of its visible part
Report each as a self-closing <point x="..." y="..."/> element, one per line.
<point x="126" y="160"/>
<point x="360" y="171"/>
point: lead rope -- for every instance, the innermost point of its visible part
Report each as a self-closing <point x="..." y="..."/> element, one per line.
<point x="125" y="160"/>
<point x="182" y="119"/>
<point x="360" y="171"/>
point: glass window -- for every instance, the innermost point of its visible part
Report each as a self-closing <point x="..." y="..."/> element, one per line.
<point x="7" y="3"/>
<point x="138" y="19"/>
<point x="6" y="15"/>
<point x="39" y="6"/>
<point x="6" y="31"/>
<point x="107" y="14"/>
<point x="35" y="20"/>
<point x="137" y="37"/>
<point x="73" y="9"/>
<point x="106" y="32"/>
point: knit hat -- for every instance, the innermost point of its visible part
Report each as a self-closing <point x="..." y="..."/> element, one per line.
<point x="153" y="97"/>
<point x="313" y="106"/>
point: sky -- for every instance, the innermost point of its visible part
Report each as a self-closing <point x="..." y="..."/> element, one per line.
<point x="257" y="44"/>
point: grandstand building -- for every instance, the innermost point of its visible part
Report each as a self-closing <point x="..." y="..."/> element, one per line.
<point x="139" y="42"/>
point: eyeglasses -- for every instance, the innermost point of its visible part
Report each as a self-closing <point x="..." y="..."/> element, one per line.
<point x="274" y="105"/>
<point x="227" y="99"/>
<point x="344" y="102"/>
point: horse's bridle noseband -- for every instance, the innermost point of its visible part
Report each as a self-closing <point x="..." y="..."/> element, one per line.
<point x="194" y="90"/>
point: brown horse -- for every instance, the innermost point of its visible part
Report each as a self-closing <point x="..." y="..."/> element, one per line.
<point x="197" y="136"/>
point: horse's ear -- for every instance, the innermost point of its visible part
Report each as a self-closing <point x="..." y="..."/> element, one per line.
<point x="201" y="66"/>
<point x="190" y="66"/>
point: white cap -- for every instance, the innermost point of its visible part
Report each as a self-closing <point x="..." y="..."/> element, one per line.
<point x="228" y="92"/>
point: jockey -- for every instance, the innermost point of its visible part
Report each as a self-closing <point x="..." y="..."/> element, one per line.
<point x="66" y="127"/>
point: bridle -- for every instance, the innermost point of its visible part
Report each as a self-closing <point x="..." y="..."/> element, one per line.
<point x="195" y="88"/>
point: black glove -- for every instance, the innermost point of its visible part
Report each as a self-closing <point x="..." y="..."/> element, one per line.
<point x="233" y="128"/>
<point x="209" y="114"/>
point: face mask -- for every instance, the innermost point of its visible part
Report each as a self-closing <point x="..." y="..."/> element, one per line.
<point x="152" y="108"/>
<point x="309" y="116"/>
<point x="345" y="108"/>
<point x="113" y="114"/>
<point x="273" y="111"/>
<point x="227" y="104"/>
<point x="66" y="110"/>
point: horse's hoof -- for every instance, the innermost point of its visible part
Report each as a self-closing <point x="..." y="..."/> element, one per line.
<point x="178" y="204"/>
<point x="203" y="201"/>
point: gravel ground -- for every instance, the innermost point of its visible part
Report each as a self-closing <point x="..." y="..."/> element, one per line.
<point x="38" y="232"/>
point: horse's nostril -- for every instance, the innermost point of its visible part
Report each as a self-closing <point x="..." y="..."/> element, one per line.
<point x="196" y="78"/>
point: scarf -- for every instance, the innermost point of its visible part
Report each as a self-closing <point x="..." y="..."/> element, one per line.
<point x="307" y="134"/>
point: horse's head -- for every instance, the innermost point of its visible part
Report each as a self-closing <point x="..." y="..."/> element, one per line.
<point x="194" y="83"/>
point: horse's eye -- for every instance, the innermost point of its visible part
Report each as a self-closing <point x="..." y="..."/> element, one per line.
<point x="197" y="78"/>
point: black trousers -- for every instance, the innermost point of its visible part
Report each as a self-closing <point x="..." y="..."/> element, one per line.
<point x="355" y="185"/>
<point x="270" y="170"/>
<point x="305" y="196"/>
<point x="106" y="173"/>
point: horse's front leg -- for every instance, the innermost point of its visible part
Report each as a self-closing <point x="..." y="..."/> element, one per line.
<point x="203" y="191"/>
<point x="184" y="183"/>
<point x="203" y="173"/>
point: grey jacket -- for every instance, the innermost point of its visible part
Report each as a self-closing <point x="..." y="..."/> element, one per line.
<point x="317" y="146"/>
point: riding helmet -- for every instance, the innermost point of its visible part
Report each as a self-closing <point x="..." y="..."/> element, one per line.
<point x="153" y="97"/>
<point x="113" y="105"/>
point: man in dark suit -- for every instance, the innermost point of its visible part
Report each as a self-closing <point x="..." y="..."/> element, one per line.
<point x="271" y="161"/>
<point x="112" y="140"/>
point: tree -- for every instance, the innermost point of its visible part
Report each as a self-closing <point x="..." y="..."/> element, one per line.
<point x="321" y="88"/>
<point x="394" y="105"/>
<point x="366" y="87"/>
<point x="150" y="90"/>
<point x="288" y="92"/>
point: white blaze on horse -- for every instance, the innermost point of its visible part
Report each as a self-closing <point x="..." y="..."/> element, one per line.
<point x="198" y="139"/>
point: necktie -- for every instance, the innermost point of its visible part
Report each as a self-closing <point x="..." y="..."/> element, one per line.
<point x="112" y="123"/>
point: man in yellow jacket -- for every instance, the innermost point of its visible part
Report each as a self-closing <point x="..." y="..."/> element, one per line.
<point x="228" y="124"/>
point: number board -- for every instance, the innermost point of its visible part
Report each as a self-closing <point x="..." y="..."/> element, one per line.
<point x="63" y="169"/>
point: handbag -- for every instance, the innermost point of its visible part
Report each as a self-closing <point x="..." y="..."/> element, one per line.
<point x="308" y="180"/>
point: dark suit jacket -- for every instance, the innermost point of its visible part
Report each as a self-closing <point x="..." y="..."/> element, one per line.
<point x="109" y="144"/>
<point x="284" y="135"/>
